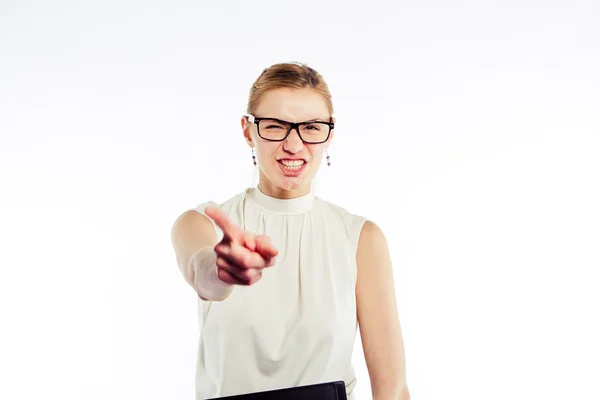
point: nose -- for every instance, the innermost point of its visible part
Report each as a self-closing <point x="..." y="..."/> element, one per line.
<point x="293" y="143"/>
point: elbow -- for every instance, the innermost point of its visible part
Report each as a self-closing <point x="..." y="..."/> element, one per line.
<point x="404" y="393"/>
<point x="214" y="298"/>
<point x="214" y="295"/>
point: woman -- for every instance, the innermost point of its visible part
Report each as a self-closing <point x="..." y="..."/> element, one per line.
<point x="283" y="277"/>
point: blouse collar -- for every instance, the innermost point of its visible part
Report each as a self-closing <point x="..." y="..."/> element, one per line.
<point x="297" y="205"/>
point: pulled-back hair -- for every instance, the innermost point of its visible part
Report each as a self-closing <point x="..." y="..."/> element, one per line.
<point x="293" y="75"/>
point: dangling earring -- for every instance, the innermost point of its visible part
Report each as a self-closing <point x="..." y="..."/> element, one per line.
<point x="253" y="157"/>
<point x="328" y="162"/>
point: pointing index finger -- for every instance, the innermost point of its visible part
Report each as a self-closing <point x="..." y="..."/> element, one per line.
<point x="230" y="230"/>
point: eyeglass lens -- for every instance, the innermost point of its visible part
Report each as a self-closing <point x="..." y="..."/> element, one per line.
<point x="310" y="132"/>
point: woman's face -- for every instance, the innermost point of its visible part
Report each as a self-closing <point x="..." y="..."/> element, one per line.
<point x="292" y="105"/>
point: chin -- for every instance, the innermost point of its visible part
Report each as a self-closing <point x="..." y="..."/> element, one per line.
<point x="288" y="184"/>
<point x="292" y="183"/>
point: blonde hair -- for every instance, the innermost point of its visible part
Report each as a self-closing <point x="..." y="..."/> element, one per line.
<point x="293" y="75"/>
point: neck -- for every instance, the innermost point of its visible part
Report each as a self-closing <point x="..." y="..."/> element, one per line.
<point x="272" y="190"/>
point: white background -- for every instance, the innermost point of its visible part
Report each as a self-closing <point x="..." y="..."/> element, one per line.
<point x="469" y="131"/>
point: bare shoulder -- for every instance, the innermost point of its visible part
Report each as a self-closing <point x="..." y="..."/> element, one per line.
<point x="193" y="229"/>
<point x="371" y="238"/>
<point x="373" y="258"/>
<point x="193" y="220"/>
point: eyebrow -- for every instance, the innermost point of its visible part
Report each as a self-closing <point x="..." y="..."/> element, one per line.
<point x="317" y="120"/>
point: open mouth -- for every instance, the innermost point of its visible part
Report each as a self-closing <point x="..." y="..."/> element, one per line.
<point x="292" y="166"/>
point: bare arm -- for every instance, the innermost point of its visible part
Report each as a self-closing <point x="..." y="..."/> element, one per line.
<point x="212" y="268"/>
<point x="378" y="317"/>
<point x="192" y="233"/>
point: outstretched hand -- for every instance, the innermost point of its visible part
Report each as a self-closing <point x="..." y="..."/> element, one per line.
<point x="241" y="256"/>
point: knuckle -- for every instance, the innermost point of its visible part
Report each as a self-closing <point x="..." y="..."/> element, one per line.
<point x="245" y="281"/>
<point x="242" y="260"/>
<point x="247" y="260"/>
<point x="223" y="264"/>
<point x="248" y="274"/>
<point x="221" y="248"/>
<point x="223" y="276"/>
<point x="253" y="281"/>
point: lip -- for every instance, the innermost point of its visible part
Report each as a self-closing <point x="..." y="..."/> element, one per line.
<point x="288" y="172"/>
<point x="292" y="159"/>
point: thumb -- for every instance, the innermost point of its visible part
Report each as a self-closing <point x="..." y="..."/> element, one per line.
<point x="250" y="242"/>
<point x="264" y="246"/>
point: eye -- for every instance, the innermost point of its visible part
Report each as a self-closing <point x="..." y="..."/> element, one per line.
<point x="312" y="127"/>
<point x="273" y="126"/>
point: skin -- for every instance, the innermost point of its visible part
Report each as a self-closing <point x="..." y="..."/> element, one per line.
<point x="293" y="105"/>
<point x="377" y="315"/>
<point x="245" y="255"/>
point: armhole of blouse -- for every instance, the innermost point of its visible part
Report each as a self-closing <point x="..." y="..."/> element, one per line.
<point x="201" y="208"/>
<point x="356" y="230"/>
<point x="204" y="305"/>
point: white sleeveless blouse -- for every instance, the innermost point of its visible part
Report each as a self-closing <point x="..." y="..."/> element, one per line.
<point x="297" y="325"/>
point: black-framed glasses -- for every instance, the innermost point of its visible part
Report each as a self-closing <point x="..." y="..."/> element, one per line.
<point x="276" y="130"/>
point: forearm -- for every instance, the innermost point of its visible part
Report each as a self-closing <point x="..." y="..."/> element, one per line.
<point x="200" y="272"/>
<point x="390" y="386"/>
<point x="397" y="393"/>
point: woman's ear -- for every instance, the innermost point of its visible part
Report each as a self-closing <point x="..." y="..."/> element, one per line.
<point x="331" y="135"/>
<point x="246" y="130"/>
<point x="333" y="130"/>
